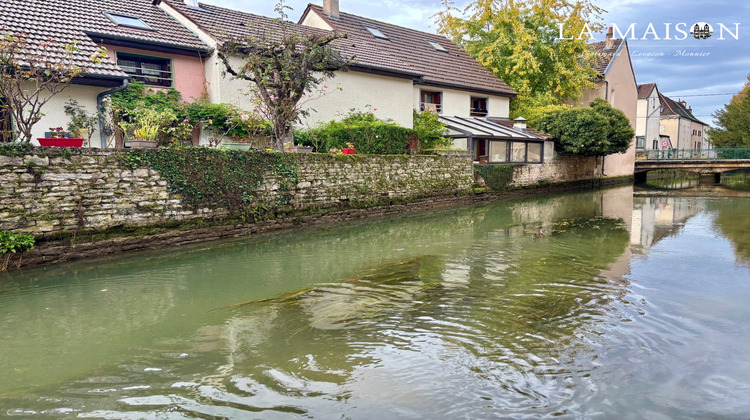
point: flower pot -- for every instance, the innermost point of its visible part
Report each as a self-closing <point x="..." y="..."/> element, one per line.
<point x="347" y="151"/>
<point x="142" y="144"/>
<point x="60" y="142"/>
<point x="236" y="146"/>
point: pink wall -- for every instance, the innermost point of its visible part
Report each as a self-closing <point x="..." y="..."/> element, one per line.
<point x="188" y="71"/>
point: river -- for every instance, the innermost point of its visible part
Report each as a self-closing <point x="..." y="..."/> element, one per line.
<point x="623" y="303"/>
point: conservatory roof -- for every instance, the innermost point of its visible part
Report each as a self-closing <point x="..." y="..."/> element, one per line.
<point x="479" y="127"/>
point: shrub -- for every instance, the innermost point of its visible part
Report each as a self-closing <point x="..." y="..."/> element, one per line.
<point x="594" y="131"/>
<point x="369" y="135"/>
<point x="430" y="130"/>
<point x="497" y="177"/>
<point x="225" y="120"/>
<point x="15" y="242"/>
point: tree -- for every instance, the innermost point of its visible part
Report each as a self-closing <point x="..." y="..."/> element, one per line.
<point x="31" y="74"/>
<point x="733" y="121"/>
<point x="597" y="130"/>
<point x="282" y="67"/>
<point x="519" y="42"/>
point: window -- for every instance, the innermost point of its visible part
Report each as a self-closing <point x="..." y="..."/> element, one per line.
<point x="501" y="151"/>
<point x="153" y="71"/>
<point x="518" y="152"/>
<point x="640" y="142"/>
<point x="437" y="46"/>
<point x="129" y="21"/>
<point x="431" y="101"/>
<point x="656" y="145"/>
<point x="376" y="32"/>
<point x="700" y="133"/>
<point x="534" y="153"/>
<point x="498" y="151"/>
<point x="478" y="107"/>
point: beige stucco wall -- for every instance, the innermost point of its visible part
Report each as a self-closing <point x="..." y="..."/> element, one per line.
<point x="54" y="111"/>
<point x="387" y="97"/>
<point x="314" y="20"/>
<point x="678" y="130"/>
<point x="697" y="140"/>
<point x="458" y="102"/>
<point x="647" y="123"/>
<point x="622" y="94"/>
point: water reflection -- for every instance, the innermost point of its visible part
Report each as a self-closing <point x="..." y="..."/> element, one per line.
<point x="523" y="309"/>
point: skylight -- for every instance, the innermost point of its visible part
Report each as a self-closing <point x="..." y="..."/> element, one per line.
<point x="376" y="32"/>
<point x="129" y="21"/>
<point x="437" y="46"/>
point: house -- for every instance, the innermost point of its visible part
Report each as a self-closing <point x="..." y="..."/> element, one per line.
<point x="648" y="119"/>
<point x="394" y="71"/>
<point x="616" y="84"/>
<point x="141" y="42"/>
<point x="683" y="129"/>
<point x="429" y="72"/>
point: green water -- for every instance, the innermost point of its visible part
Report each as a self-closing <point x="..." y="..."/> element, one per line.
<point x="603" y="304"/>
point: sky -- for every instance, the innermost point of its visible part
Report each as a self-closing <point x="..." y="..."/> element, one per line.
<point x="706" y="81"/>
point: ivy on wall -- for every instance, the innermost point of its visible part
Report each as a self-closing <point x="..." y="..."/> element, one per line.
<point x="217" y="178"/>
<point x="497" y="177"/>
<point x="15" y="149"/>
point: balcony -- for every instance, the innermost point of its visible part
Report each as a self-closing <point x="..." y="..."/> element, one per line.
<point x="436" y="108"/>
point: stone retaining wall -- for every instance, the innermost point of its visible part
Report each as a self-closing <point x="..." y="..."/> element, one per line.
<point x="561" y="169"/>
<point x="52" y="192"/>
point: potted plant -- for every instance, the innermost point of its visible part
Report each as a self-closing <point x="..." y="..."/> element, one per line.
<point x="58" y="137"/>
<point x="144" y="128"/>
<point x="349" y="149"/>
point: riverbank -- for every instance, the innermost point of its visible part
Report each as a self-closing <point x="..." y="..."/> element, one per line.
<point x="90" y="203"/>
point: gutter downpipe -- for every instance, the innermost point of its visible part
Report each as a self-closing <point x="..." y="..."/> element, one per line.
<point x="100" y="104"/>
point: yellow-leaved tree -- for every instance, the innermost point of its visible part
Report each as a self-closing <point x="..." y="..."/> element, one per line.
<point x="520" y="42"/>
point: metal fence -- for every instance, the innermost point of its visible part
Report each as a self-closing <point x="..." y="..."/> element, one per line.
<point x="694" y="154"/>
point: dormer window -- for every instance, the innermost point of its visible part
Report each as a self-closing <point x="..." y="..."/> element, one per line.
<point x="128" y="21"/>
<point x="437" y="46"/>
<point x="376" y="32"/>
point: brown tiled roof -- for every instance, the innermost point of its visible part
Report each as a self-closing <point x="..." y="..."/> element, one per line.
<point x="227" y="24"/>
<point x="644" y="91"/>
<point x="408" y="51"/>
<point x="671" y="108"/>
<point x="604" y="55"/>
<point x="83" y="21"/>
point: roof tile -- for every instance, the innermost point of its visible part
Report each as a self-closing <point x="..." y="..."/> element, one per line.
<point x="68" y="21"/>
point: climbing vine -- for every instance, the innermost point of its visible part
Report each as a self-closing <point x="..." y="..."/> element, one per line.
<point x="216" y="178"/>
<point x="497" y="177"/>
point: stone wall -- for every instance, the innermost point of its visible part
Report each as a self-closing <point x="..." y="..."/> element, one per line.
<point x="560" y="169"/>
<point x="51" y="192"/>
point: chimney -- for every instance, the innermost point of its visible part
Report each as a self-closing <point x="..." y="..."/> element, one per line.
<point x="191" y="3"/>
<point x="331" y="7"/>
<point x="681" y="102"/>
<point x="609" y="41"/>
<point x="520" y="123"/>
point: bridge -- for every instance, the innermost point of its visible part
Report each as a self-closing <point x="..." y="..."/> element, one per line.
<point x="702" y="161"/>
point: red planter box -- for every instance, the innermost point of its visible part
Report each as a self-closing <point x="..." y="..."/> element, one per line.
<point x="57" y="142"/>
<point x="347" y="151"/>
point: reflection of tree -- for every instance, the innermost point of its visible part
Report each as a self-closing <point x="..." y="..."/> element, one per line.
<point x="503" y="296"/>
<point x="731" y="218"/>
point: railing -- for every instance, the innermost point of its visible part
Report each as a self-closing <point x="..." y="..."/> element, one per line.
<point x="694" y="154"/>
<point x="425" y="106"/>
